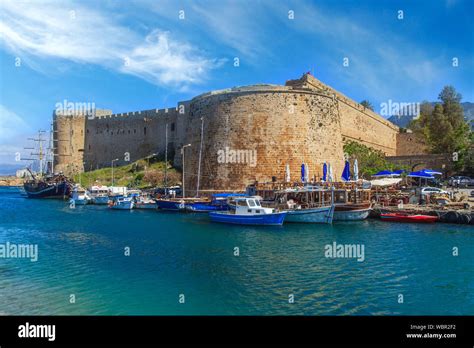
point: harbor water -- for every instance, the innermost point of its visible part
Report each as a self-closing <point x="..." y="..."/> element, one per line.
<point x="182" y="264"/>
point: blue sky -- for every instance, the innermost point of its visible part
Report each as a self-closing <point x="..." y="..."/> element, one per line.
<point x="136" y="55"/>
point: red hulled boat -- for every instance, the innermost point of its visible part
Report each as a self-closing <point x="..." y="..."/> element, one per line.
<point x="399" y="217"/>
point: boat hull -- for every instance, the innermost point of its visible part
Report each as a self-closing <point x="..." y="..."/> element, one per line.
<point x="170" y="205"/>
<point x="264" y="219"/>
<point x="80" y="201"/>
<point x="205" y="207"/>
<point x="409" y="218"/>
<point x="100" y="200"/>
<point x="123" y="206"/>
<point x="323" y="215"/>
<point x="151" y="205"/>
<point x="42" y="190"/>
<point x="351" y="215"/>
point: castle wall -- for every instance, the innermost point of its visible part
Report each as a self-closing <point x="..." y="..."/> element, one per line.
<point x="303" y="121"/>
<point x="282" y="126"/>
<point x="357" y="122"/>
<point x="408" y="144"/>
<point x="128" y="137"/>
<point x="68" y="140"/>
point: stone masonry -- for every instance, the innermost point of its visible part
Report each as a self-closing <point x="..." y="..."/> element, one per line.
<point x="250" y="134"/>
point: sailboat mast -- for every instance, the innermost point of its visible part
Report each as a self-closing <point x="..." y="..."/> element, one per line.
<point x="166" y="157"/>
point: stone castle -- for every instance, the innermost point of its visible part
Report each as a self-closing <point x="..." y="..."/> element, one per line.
<point x="248" y="134"/>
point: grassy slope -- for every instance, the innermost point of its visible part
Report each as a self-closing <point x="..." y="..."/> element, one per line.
<point x="131" y="175"/>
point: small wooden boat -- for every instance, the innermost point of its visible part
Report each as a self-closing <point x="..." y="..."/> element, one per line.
<point x="99" y="194"/>
<point x="303" y="205"/>
<point x="400" y="217"/>
<point x="122" y="203"/>
<point x="177" y="204"/>
<point x="80" y="196"/>
<point x="352" y="212"/>
<point x="311" y="215"/>
<point x="143" y="202"/>
<point x="249" y="212"/>
<point x="351" y="204"/>
<point x="219" y="202"/>
<point x="170" y="204"/>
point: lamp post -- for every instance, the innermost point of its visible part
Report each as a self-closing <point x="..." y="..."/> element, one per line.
<point x="182" y="152"/>
<point x="166" y="158"/>
<point x="113" y="170"/>
<point x="200" y="155"/>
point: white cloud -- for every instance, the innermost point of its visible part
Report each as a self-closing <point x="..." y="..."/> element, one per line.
<point x="11" y="125"/>
<point x="161" y="59"/>
<point x="70" y="31"/>
<point x="13" y="133"/>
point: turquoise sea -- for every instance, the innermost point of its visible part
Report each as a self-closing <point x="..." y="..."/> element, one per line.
<point x="81" y="252"/>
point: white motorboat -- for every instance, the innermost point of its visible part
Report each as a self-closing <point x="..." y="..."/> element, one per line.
<point x="80" y="196"/>
<point x="123" y="203"/>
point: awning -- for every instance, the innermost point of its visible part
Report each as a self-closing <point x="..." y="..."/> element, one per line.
<point x="385" y="181"/>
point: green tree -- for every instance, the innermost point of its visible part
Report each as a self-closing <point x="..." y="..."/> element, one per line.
<point x="365" y="103"/>
<point x="370" y="160"/>
<point x="444" y="129"/>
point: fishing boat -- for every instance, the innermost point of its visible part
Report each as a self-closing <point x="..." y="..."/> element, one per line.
<point x="80" y="196"/>
<point x="170" y="204"/>
<point x="249" y="211"/>
<point x="219" y="202"/>
<point x="306" y="205"/>
<point x="351" y="212"/>
<point x="179" y="204"/>
<point x="99" y="194"/>
<point x="401" y="217"/>
<point x="122" y="203"/>
<point x="351" y="203"/>
<point x="145" y="202"/>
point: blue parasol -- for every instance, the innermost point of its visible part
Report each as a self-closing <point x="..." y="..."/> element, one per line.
<point x="346" y="173"/>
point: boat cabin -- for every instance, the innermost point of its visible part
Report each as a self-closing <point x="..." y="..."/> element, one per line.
<point x="250" y="206"/>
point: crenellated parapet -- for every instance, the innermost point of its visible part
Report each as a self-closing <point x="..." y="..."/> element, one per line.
<point x="250" y="133"/>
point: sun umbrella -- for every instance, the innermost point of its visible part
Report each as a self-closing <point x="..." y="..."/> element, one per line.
<point x="346" y="173"/>
<point x="325" y="171"/>
<point x="303" y="172"/>
<point x="431" y="172"/>
<point x="398" y="172"/>
<point x="356" y="170"/>
<point x="330" y="174"/>
<point x="420" y="174"/>
<point x="384" y="173"/>
<point x="287" y="173"/>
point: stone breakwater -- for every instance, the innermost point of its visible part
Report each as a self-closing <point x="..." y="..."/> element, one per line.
<point x="10" y="181"/>
<point x="302" y="121"/>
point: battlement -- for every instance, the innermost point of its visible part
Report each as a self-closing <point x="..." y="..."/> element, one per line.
<point x="308" y="81"/>
<point x="303" y="120"/>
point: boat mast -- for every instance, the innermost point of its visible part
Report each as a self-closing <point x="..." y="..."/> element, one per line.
<point x="40" y="152"/>
<point x="166" y="157"/>
<point x="51" y="147"/>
